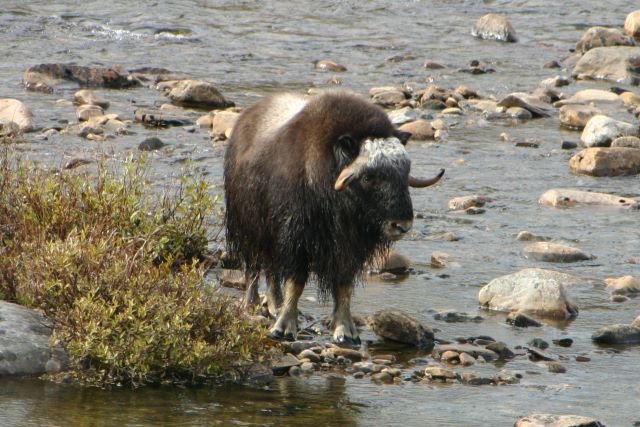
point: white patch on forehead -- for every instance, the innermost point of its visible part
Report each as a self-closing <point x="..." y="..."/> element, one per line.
<point x="384" y="151"/>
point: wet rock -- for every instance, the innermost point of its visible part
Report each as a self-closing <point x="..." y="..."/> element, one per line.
<point x="88" y="97"/>
<point x="521" y="320"/>
<point x="441" y="259"/>
<point x="85" y="112"/>
<point x="506" y="377"/>
<point x="155" y="74"/>
<point x="611" y="161"/>
<point x="582" y="358"/>
<point x="294" y="371"/>
<point x="617" y="63"/>
<point x="494" y="27"/>
<point x="565" y="197"/>
<point x="501" y="349"/>
<point x="537" y="355"/>
<point x="526" y="236"/>
<point x="223" y="123"/>
<point x="297" y="347"/>
<point x="24" y="342"/>
<point x="194" y="93"/>
<point x="382" y="377"/>
<point x="310" y="355"/>
<point x="151" y="144"/>
<point x="472" y="350"/>
<point x="466" y="359"/>
<point x="528" y="102"/>
<point x="432" y="65"/>
<point x="450" y="356"/>
<point x="600" y="130"/>
<point x="465" y="202"/>
<point x="307" y="367"/>
<point x="387" y="96"/>
<point x="602" y="37"/>
<point x="569" y="145"/>
<point x="563" y="342"/>
<point x="630" y="99"/>
<point x="552" y="64"/>
<point x="421" y="130"/>
<point x="623" y="285"/>
<point x="539" y="343"/>
<point x="438" y="373"/>
<point x="551" y="420"/>
<point x="398" y="326"/>
<point x="617" y="334"/>
<point x="519" y="113"/>
<point x="556" y="367"/>
<point x="44" y="77"/>
<point x="157" y="118"/>
<point x="473" y="379"/>
<point x="258" y="375"/>
<point x="576" y="116"/>
<point x="329" y="65"/>
<point x="348" y="353"/>
<point x="626" y="141"/>
<point x="404" y="115"/>
<point x="590" y="97"/>
<point x="554" y="252"/>
<point x="632" y="24"/>
<point x="485" y="106"/>
<point x="392" y="262"/>
<point x="532" y="290"/>
<point x="281" y="365"/>
<point x="14" y="111"/>
<point x="456" y="317"/>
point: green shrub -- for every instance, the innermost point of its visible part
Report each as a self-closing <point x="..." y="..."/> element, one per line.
<point x="119" y="271"/>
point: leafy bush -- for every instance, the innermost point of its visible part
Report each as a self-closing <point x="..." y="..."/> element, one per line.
<point x="119" y="271"/>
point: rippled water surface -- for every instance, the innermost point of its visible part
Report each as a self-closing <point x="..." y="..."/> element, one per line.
<point x="250" y="48"/>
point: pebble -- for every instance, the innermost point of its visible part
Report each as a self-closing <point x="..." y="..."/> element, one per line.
<point x="563" y="342"/>
<point x="556" y="367"/>
<point x="151" y="144"/>
<point x="521" y="320"/>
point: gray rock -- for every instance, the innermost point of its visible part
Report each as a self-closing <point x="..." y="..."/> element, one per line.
<point x="591" y="97"/>
<point x="617" y="334"/>
<point x="24" y="342"/>
<point x="258" y="375"/>
<point x="465" y="202"/>
<point x="626" y="141"/>
<point x="602" y="37"/>
<point x="14" y="111"/>
<point x="600" y="130"/>
<point x="44" y="77"/>
<point x="456" y="317"/>
<point x="398" y="326"/>
<point x="528" y="102"/>
<point x="87" y="97"/>
<point x="151" y="144"/>
<point x="194" y="93"/>
<point x="566" y="197"/>
<point x="632" y="24"/>
<point x="606" y="161"/>
<point x="623" y="285"/>
<point x="556" y="367"/>
<point x="421" y="130"/>
<point x="85" y="112"/>
<point x="576" y="116"/>
<point x="158" y="118"/>
<point x="501" y="350"/>
<point x="438" y="373"/>
<point x="282" y="365"/>
<point x="552" y="420"/>
<point x="554" y="252"/>
<point x="387" y="96"/>
<point x="404" y="115"/>
<point x="494" y="27"/>
<point x="521" y="320"/>
<point x="473" y="350"/>
<point x="532" y="290"/>
<point x="617" y="63"/>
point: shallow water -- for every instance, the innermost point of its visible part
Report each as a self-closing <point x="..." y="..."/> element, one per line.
<point x="251" y="48"/>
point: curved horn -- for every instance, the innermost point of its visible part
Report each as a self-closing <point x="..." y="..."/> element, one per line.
<point x="422" y="182"/>
<point x="349" y="172"/>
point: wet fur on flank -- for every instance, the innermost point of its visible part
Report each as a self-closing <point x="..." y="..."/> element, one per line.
<point x="283" y="215"/>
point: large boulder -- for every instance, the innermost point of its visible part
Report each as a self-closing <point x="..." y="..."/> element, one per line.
<point x="611" y="161"/>
<point x="623" y="285"/>
<point x="494" y="27"/>
<point x="589" y="97"/>
<point x="600" y="130"/>
<point x="532" y="290"/>
<point x="24" y="342"/>
<point x="617" y="334"/>
<point x="551" y="420"/>
<point x="14" y="111"/>
<point x="194" y="93"/>
<point x="554" y="252"/>
<point x="398" y="326"/>
<point x="617" y="63"/>
<point x="632" y="24"/>
<point x="602" y="37"/>
<point x="566" y="197"/>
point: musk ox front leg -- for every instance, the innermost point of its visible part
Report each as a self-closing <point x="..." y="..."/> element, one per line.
<point x="286" y="326"/>
<point x="345" y="331"/>
<point x="251" y="298"/>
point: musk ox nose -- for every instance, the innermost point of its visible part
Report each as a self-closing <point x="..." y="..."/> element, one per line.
<point x="396" y="229"/>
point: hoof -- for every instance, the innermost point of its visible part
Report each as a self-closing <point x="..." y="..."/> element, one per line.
<point x="277" y="334"/>
<point x="345" y="341"/>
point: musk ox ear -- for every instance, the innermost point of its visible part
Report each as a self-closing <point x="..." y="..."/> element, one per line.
<point x="403" y="136"/>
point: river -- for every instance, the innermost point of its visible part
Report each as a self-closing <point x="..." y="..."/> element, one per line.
<point x="250" y="48"/>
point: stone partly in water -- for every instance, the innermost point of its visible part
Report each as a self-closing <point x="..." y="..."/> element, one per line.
<point x="87" y="111"/>
<point x="421" y="130"/>
<point x="528" y="102"/>
<point x="566" y="197"/>
<point x="576" y="116"/>
<point x="150" y="144"/>
<point x="398" y="326"/>
<point x="465" y="202"/>
<point x="601" y="37"/>
<point x="522" y="320"/>
<point x="606" y="161"/>
<point x="388" y="96"/>
<point x="617" y="334"/>
<point x="551" y="420"/>
<point x="600" y="130"/>
<point x="494" y="27"/>
<point x="472" y="350"/>
<point x="194" y="93"/>
<point x="532" y="290"/>
<point x="617" y="63"/>
<point x="88" y="97"/>
<point x="554" y="252"/>
<point x="392" y="261"/>
<point x="329" y="65"/>
<point x="623" y="285"/>
<point x="626" y="141"/>
<point x="44" y="77"/>
<point x="14" y="111"/>
<point x="24" y="342"/>
<point x="158" y="118"/>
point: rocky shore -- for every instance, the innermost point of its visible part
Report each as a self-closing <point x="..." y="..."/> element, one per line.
<point x="606" y="125"/>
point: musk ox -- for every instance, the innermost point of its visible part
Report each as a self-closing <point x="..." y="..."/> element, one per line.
<point x="314" y="189"/>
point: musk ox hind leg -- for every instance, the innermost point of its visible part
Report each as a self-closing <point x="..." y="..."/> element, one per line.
<point x="274" y="294"/>
<point x="286" y="326"/>
<point x="251" y="298"/>
<point x="345" y="331"/>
